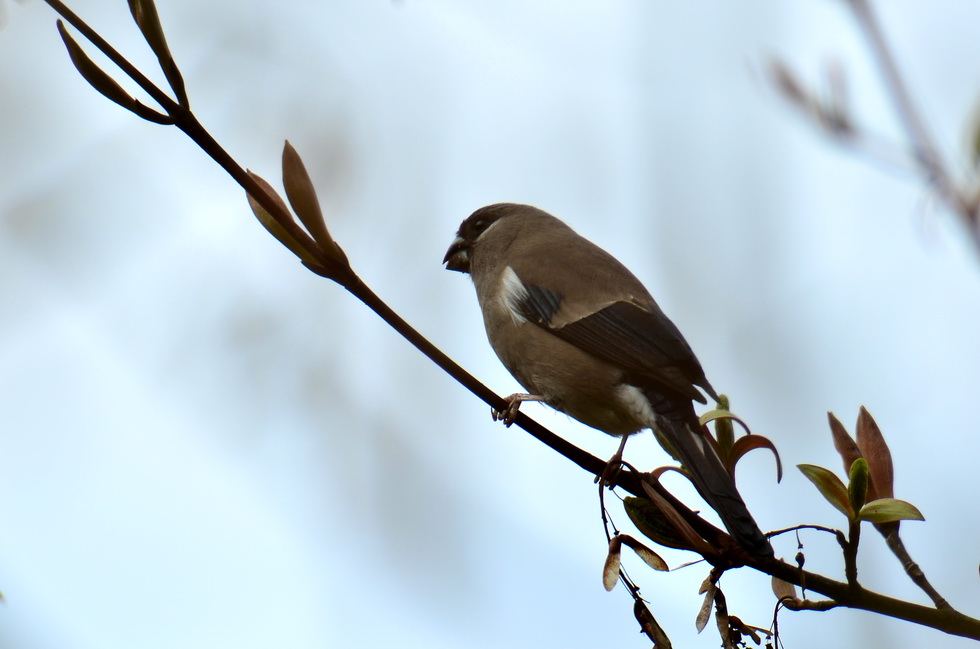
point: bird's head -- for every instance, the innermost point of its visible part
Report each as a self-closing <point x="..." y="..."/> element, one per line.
<point x="472" y="230"/>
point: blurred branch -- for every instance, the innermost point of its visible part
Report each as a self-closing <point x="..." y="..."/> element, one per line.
<point x="307" y="236"/>
<point x="832" y="115"/>
<point x="926" y="153"/>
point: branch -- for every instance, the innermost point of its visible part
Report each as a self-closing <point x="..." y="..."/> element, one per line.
<point x="830" y="114"/>
<point x="842" y="594"/>
<point x="184" y="119"/>
<point x="323" y="256"/>
<point x="912" y="568"/>
<point x="926" y="153"/>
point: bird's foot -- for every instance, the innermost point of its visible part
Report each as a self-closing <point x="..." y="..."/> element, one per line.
<point x="610" y="474"/>
<point x="509" y="414"/>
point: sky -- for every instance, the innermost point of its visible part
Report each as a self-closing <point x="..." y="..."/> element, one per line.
<point x="204" y="445"/>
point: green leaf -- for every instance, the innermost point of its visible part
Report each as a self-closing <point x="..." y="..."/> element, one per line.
<point x="888" y="510"/>
<point x="719" y="413"/>
<point x="725" y="434"/>
<point x="857" y="483"/>
<point x="830" y="487"/>
<point x="653" y="524"/>
<point x="724" y="430"/>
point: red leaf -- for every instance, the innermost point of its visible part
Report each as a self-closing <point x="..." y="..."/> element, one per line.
<point x="843" y="442"/>
<point x="749" y="442"/>
<point x="875" y="451"/>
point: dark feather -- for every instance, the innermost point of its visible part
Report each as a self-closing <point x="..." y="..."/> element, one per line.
<point x="644" y="343"/>
<point x="679" y="425"/>
<point x="539" y="305"/>
<point x="657" y="358"/>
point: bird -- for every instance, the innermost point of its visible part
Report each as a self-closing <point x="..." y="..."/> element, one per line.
<point x="581" y="334"/>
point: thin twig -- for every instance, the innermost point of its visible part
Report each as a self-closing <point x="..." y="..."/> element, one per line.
<point x="912" y="568"/>
<point x="842" y="594"/>
<point x="808" y="526"/>
<point x="851" y="551"/>
<point x="168" y="104"/>
<point x="926" y="152"/>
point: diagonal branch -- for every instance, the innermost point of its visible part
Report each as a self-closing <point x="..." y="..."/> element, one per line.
<point x="335" y="267"/>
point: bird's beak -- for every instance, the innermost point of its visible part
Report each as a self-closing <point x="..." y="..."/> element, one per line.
<point x="458" y="256"/>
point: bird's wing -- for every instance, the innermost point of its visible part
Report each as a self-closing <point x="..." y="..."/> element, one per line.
<point x="644" y="342"/>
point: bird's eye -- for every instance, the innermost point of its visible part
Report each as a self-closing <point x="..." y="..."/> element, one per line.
<point x="479" y="224"/>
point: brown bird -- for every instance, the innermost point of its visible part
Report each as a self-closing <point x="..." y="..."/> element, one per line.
<point x="581" y="333"/>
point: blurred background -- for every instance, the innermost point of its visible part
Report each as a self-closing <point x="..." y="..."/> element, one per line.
<point x="204" y="445"/>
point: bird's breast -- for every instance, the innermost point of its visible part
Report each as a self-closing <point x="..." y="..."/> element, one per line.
<point x="570" y="380"/>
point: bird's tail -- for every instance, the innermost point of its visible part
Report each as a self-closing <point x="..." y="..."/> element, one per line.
<point x="683" y="432"/>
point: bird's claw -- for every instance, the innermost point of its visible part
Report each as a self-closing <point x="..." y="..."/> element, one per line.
<point x="509" y="414"/>
<point x="610" y="474"/>
<point x="513" y="406"/>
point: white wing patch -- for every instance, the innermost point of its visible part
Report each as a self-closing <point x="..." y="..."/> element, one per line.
<point x="639" y="407"/>
<point x="511" y="293"/>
